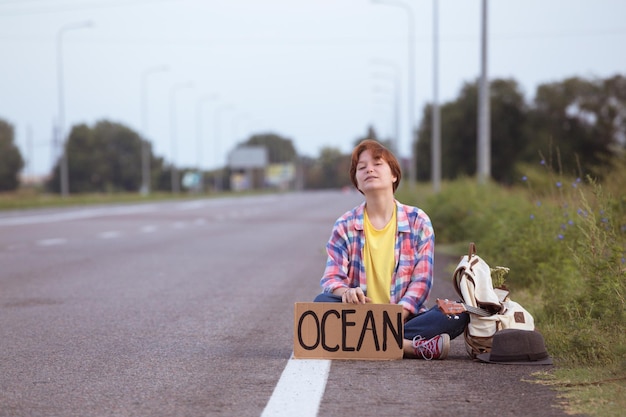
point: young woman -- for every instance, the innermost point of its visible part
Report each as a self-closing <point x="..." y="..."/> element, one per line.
<point x="382" y="252"/>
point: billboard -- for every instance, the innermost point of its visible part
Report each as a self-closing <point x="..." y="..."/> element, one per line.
<point x="247" y="157"/>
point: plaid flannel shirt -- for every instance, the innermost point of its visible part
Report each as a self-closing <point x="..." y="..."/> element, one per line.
<point x="414" y="254"/>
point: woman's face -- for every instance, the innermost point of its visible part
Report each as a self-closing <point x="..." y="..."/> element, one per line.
<point x="373" y="174"/>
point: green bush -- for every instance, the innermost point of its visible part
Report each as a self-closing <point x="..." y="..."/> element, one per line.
<point x="564" y="240"/>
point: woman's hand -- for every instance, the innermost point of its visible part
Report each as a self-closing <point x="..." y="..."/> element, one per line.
<point x="405" y="315"/>
<point x="354" y="296"/>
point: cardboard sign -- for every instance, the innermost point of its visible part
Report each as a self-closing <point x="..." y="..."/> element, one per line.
<point x="347" y="331"/>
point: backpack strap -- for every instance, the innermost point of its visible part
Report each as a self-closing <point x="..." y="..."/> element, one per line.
<point x="472" y="250"/>
<point x="477" y="274"/>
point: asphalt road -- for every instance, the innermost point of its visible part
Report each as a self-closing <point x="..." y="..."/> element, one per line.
<point x="186" y="309"/>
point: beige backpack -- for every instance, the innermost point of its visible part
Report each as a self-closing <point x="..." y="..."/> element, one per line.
<point x="490" y="308"/>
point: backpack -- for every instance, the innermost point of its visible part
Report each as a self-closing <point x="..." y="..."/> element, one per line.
<point x="490" y="308"/>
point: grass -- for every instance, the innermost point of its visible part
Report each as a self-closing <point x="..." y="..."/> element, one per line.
<point x="564" y="240"/>
<point x="590" y="391"/>
<point x="31" y="198"/>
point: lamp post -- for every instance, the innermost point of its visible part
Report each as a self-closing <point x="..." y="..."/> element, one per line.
<point x="145" y="148"/>
<point x="396" y="106"/>
<point x="484" y="141"/>
<point x="65" y="181"/>
<point x="201" y="101"/>
<point x="237" y="121"/>
<point x="436" y="117"/>
<point x="382" y="98"/>
<point x="411" y="77"/>
<point x="173" y="90"/>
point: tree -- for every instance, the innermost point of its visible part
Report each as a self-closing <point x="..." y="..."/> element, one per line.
<point x="509" y="129"/>
<point x="330" y="170"/>
<point x="11" y="161"/>
<point x="459" y="132"/>
<point x="122" y="149"/>
<point x="279" y="149"/>
<point x="161" y="174"/>
<point x="104" y="158"/>
<point x="372" y="135"/>
<point x="87" y="168"/>
<point x="614" y="110"/>
<point x="579" y="124"/>
<point x="458" y="137"/>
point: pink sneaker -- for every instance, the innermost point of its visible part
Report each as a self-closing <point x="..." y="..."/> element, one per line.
<point x="435" y="348"/>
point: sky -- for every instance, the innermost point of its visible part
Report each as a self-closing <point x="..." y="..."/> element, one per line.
<point x="197" y="77"/>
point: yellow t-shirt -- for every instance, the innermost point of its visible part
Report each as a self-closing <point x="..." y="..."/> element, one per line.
<point x="378" y="256"/>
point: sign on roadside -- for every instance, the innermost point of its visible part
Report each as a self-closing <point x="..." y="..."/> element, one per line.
<point x="347" y="331"/>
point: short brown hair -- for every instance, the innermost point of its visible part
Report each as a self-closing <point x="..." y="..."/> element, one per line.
<point x="378" y="151"/>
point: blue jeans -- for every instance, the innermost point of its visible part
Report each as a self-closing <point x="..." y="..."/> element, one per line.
<point x="427" y="324"/>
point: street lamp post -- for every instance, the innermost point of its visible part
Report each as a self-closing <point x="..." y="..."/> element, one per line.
<point x="236" y="122"/>
<point x="201" y="101"/>
<point x="145" y="148"/>
<point x="436" y="117"/>
<point x="65" y="182"/>
<point x="484" y="140"/>
<point x="396" y="80"/>
<point x="396" y="106"/>
<point x="411" y="77"/>
<point x="381" y="98"/>
<point x="174" y="89"/>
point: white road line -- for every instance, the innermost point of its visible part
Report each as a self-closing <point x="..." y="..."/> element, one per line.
<point x="75" y="215"/>
<point x="52" y="241"/>
<point x="299" y="390"/>
<point x="191" y="205"/>
<point x="148" y="229"/>
<point x="109" y="235"/>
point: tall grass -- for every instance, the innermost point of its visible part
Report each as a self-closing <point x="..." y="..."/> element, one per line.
<point x="564" y="240"/>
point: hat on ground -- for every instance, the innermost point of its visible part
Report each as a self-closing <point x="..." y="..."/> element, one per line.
<point x="517" y="347"/>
